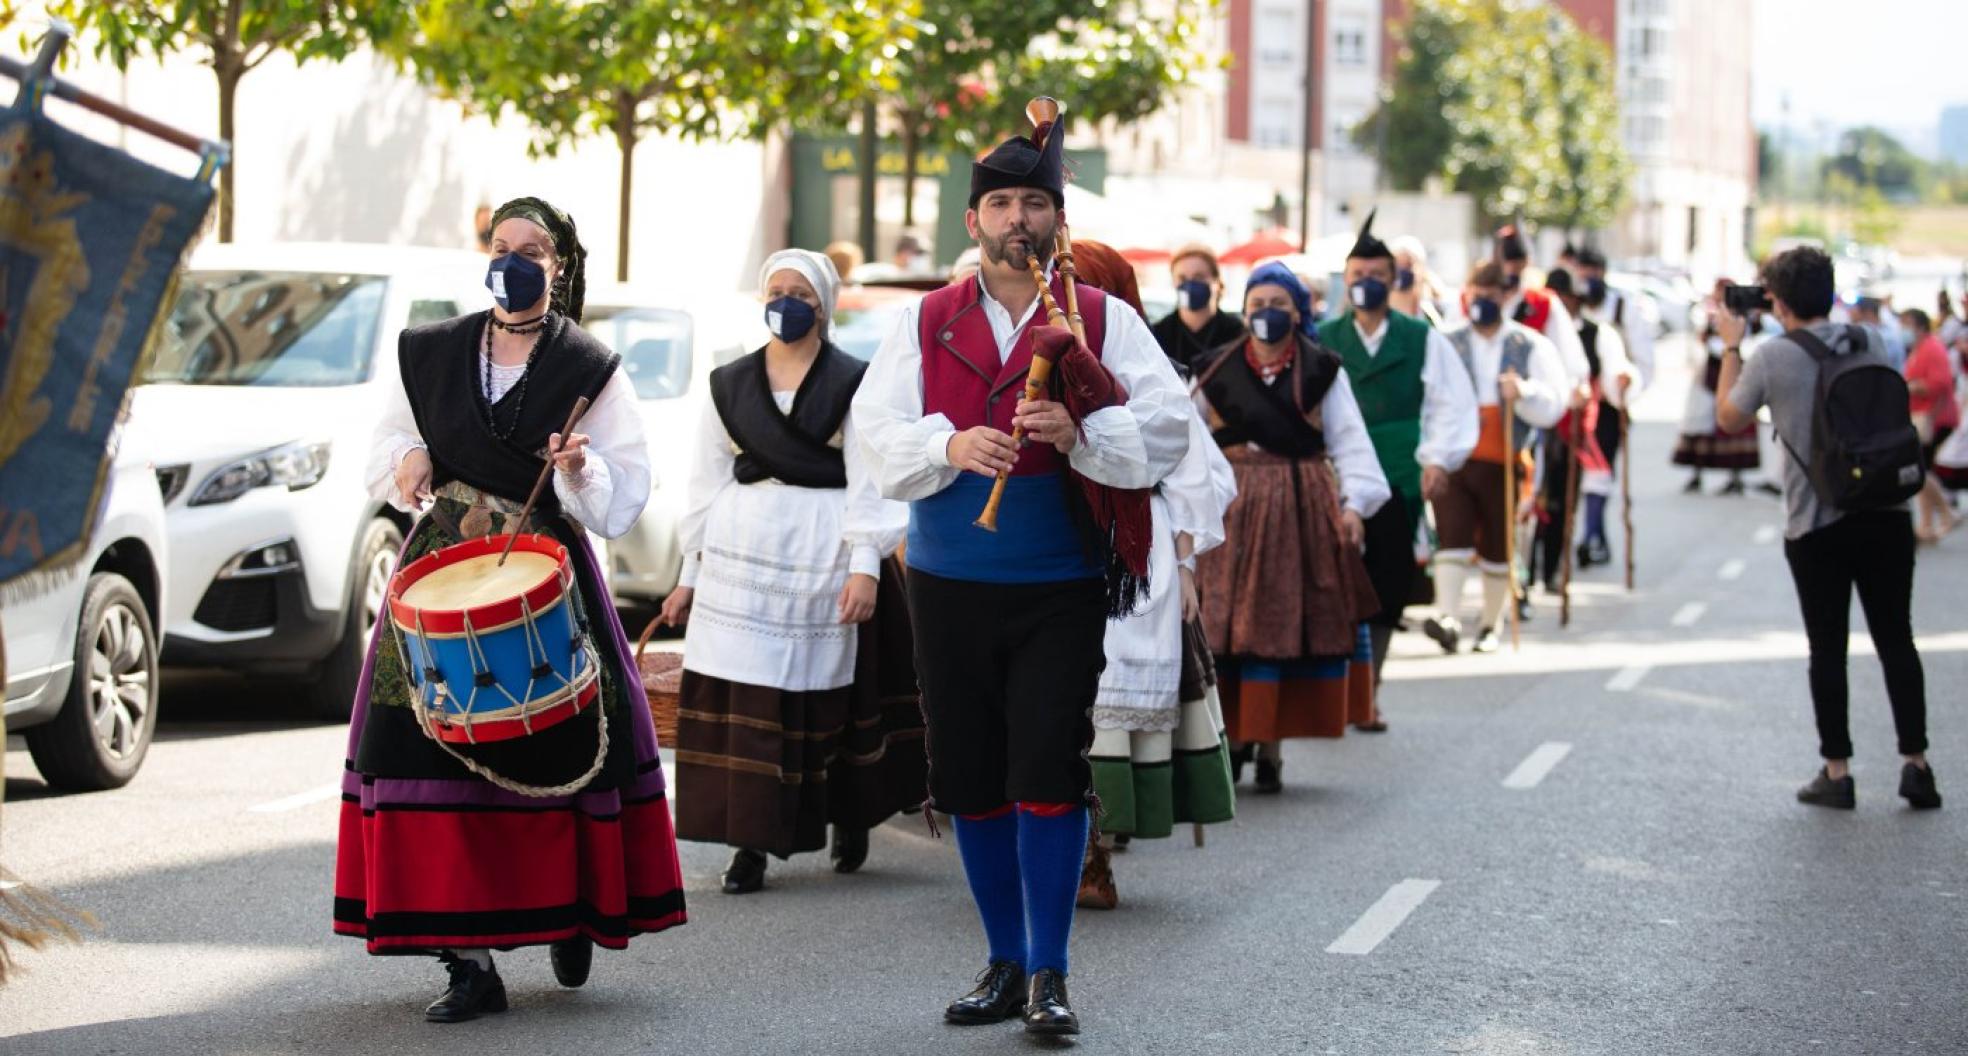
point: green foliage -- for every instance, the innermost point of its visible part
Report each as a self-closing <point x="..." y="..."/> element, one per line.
<point x="967" y="86"/>
<point x="1511" y="103"/>
<point x="1871" y="157"/>
<point x="571" y="68"/>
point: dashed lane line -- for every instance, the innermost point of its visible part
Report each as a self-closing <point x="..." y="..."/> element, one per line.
<point x="1542" y="760"/>
<point x="1733" y="569"/>
<point x="1380" y="919"/>
<point x="1626" y="678"/>
<point x="1690" y="614"/>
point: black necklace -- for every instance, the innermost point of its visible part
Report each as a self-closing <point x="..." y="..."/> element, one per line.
<point x="524" y="326"/>
<point x="519" y="397"/>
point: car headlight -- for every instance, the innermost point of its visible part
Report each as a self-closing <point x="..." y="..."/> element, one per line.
<point x="298" y="465"/>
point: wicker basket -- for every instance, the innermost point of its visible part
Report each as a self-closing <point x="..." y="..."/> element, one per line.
<point x="662" y="682"/>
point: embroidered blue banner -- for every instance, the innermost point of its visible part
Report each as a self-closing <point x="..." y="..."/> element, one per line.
<point x="91" y="240"/>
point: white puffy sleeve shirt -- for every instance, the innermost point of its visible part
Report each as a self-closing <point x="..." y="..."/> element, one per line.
<point x="607" y="495"/>
<point x="1130" y="446"/>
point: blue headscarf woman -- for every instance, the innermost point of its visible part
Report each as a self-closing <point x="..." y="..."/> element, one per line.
<point x="1285" y="596"/>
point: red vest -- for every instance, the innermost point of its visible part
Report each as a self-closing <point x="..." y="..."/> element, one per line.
<point x="1535" y="309"/>
<point x="964" y="381"/>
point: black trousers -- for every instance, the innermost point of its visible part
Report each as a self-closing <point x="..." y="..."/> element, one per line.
<point x="1551" y="537"/>
<point x="1009" y="673"/>
<point x="1872" y="552"/>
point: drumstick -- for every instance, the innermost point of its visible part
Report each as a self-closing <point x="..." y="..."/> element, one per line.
<point x="580" y="408"/>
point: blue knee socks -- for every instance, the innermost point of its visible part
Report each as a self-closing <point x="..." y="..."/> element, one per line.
<point x="990" y="852"/>
<point x="1051" y="851"/>
<point x="1595" y="518"/>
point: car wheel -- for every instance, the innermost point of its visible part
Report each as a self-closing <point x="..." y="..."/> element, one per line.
<point x="103" y="731"/>
<point x="334" y="687"/>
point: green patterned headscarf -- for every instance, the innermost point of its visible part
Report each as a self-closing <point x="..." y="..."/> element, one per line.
<point x="570" y="290"/>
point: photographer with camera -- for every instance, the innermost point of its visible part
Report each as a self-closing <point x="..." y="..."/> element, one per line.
<point x="1854" y="461"/>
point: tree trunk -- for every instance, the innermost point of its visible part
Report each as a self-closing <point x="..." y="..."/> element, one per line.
<point x="911" y="144"/>
<point x="625" y="141"/>
<point x="229" y="76"/>
<point x="870" y="143"/>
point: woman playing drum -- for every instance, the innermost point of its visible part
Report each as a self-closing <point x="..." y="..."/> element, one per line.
<point x="457" y="848"/>
<point x="799" y="703"/>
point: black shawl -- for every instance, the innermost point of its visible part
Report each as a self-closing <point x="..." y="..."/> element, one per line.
<point x="791" y="447"/>
<point x="1277" y="417"/>
<point x="444" y="380"/>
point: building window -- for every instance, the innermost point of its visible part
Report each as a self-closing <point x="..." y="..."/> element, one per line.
<point x="1350" y="47"/>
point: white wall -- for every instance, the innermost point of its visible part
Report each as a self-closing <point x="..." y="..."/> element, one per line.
<point x="354" y="152"/>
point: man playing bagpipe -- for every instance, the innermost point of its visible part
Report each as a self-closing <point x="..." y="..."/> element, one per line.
<point x="1009" y="621"/>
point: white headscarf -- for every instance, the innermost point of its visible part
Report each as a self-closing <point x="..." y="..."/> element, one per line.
<point x="818" y="270"/>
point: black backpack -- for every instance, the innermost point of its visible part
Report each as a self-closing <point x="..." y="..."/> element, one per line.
<point x="1865" y="452"/>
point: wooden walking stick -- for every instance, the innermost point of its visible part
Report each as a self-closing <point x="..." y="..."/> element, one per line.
<point x="539" y="484"/>
<point x="1571" y="504"/>
<point x="1626" y="493"/>
<point x="1510" y="514"/>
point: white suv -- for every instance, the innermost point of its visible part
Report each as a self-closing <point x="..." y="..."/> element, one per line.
<point x="271" y="371"/>
<point x="81" y="643"/>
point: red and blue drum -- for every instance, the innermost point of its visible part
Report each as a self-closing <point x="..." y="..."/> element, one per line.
<point x="493" y="651"/>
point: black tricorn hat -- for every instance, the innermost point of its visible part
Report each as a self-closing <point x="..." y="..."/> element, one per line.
<point x="1035" y="161"/>
<point x="1366" y="246"/>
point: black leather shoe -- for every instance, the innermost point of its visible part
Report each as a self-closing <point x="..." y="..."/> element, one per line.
<point x="1046" y="1009"/>
<point x="474" y="992"/>
<point x="850" y="848"/>
<point x="1917" y="786"/>
<point x="1525" y="613"/>
<point x="1594" y="552"/>
<point x="571" y="959"/>
<point x="1269" y="782"/>
<point x="1000" y="995"/>
<point x="1823" y="791"/>
<point x="746" y="873"/>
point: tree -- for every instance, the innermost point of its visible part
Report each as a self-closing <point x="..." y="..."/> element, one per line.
<point x="1871" y="157"/>
<point x="631" y="68"/>
<point x="981" y="61"/>
<point x="1513" y="104"/>
<point x="233" y="37"/>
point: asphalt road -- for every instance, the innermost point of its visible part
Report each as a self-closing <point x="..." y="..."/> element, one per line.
<point x="1588" y="847"/>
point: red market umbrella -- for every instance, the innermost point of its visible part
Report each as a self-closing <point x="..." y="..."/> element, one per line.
<point x="1269" y="244"/>
<point x="1146" y="256"/>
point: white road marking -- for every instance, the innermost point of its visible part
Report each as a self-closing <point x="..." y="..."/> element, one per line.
<point x="1535" y="766"/>
<point x="1380" y="919"/>
<point x="298" y="800"/>
<point x="1733" y="568"/>
<point x="1690" y="614"/>
<point x="1627" y="677"/>
<point x="1766" y="535"/>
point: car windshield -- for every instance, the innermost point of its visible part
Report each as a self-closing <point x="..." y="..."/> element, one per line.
<point x="294" y="328"/>
<point x="859" y="331"/>
<point x="654" y="344"/>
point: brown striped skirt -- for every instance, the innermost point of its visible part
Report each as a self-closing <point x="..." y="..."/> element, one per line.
<point x="769" y="770"/>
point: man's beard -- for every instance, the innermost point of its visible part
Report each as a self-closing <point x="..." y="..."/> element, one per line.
<point x="1002" y="250"/>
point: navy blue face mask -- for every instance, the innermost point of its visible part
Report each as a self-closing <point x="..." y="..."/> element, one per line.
<point x="1595" y="291"/>
<point x="1404" y="279"/>
<point x="790" y="318"/>
<point x="1485" y="312"/>
<point x="1271" y="325"/>
<point x="1194" y="295"/>
<point x="1369" y="294"/>
<point x="1511" y="279"/>
<point x="516" y="283"/>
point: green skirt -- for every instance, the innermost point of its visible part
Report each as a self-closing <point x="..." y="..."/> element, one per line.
<point x="1149" y="781"/>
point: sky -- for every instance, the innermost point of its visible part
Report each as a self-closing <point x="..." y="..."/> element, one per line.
<point x="1893" y="63"/>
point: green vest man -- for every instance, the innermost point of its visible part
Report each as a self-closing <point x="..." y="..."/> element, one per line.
<point x="1420" y="409"/>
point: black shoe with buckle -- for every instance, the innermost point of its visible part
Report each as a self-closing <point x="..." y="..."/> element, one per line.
<point x="1824" y="791"/>
<point x="1000" y="995"/>
<point x="571" y="960"/>
<point x="1269" y="781"/>
<point x="474" y="992"/>
<point x="746" y="873"/>
<point x="1917" y="787"/>
<point x="1047" y="1011"/>
<point x="850" y="848"/>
